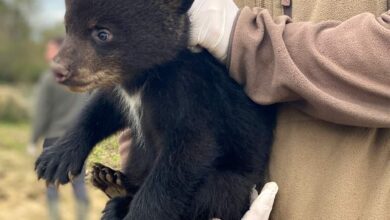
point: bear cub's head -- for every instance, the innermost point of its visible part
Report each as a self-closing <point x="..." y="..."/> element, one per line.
<point x="109" y="41"/>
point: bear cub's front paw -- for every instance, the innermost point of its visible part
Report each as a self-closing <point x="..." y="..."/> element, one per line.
<point x="59" y="165"/>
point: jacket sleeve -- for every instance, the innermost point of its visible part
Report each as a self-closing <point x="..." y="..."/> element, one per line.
<point x="336" y="71"/>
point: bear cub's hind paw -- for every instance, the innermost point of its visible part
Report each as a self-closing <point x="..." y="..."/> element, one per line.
<point x="111" y="182"/>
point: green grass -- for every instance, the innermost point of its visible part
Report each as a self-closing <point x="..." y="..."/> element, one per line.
<point x="14" y="103"/>
<point x="106" y="153"/>
<point x="15" y="136"/>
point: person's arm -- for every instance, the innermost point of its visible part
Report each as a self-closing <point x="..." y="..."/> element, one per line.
<point x="336" y="71"/>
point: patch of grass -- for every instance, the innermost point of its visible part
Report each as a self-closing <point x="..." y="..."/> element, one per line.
<point x="15" y="136"/>
<point x="14" y="106"/>
<point x="106" y="153"/>
<point x="22" y="196"/>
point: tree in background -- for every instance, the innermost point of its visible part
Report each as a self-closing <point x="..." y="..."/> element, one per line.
<point x="21" y="57"/>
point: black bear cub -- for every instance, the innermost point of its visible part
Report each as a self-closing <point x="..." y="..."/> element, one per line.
<point x="199" y="143"/>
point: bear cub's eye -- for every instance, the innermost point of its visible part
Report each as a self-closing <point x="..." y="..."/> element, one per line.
<point x="102" y="35"/>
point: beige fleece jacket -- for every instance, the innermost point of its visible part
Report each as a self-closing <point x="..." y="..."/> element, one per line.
<point x="331" y="77"/>
<point x="333" y="70"/>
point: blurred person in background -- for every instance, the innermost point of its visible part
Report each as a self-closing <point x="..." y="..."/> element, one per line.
<point x="55" y="110"/>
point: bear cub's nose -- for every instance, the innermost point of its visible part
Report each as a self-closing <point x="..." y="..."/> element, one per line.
<point x="61" y="74"/>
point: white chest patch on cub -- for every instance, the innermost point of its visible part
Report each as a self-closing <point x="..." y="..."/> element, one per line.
<point x="132" y="105"/>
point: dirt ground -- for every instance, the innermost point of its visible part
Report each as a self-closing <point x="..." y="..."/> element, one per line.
<point x="22" y="197"/>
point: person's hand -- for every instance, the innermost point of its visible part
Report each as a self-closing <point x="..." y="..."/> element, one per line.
<point x="211" y="25"/>
<point x="31" y="150"/>
<point x="262" y="205"/>
<point x="124" y="146"/>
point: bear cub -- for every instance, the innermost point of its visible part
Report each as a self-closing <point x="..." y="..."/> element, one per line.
<point x="199" y="143"/>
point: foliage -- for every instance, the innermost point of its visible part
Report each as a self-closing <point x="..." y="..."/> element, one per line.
<point x="13" y="105"/>
<point x="21" y="57"/>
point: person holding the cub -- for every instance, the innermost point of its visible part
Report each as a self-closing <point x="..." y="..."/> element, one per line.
<point x="331" y="153"/>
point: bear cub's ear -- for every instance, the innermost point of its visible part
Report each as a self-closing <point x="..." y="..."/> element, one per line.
<point x="181" y="5"/>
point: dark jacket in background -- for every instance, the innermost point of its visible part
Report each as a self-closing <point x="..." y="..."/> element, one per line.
<point x="55" y="108"/>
